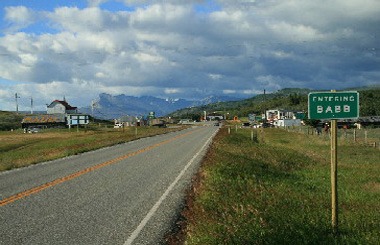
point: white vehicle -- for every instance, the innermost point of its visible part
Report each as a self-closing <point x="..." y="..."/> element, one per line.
<point x="32" y="130"/>
<point x="118" y="125"/>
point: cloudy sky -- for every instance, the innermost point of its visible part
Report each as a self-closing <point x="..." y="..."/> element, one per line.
<point x="189" y="49"/>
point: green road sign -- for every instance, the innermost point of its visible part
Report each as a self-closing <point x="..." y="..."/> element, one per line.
<point x="333" y="105"/>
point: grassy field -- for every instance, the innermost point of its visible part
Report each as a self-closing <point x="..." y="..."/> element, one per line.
<point x="276" y="190"/>
<point x="18" y="149"/>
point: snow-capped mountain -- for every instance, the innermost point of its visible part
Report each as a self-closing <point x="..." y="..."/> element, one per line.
<point x="110" y="107"/>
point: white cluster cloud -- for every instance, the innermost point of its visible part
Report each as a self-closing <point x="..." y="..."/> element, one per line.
<point x="186" y="49"/>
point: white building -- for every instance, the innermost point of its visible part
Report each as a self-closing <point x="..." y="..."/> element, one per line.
<point x="61" y="107"/>
<point x="284" y="118"/>
<point x="273" y="115"/>
<point x="287" y="122"/>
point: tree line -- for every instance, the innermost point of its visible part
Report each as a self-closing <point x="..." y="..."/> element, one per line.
<point x="288" y="99"/>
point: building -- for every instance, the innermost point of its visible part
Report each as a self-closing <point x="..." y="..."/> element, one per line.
<point x="61" y="107"/>
<point x="283" y="118"/>
<point x="287" y="122"/>
<point x="126" y="121"/>
<point x="277" y="114"/>
<point x="44" y="120"/>
<point x="214" y="116"/>
<point x="59" y="114"/>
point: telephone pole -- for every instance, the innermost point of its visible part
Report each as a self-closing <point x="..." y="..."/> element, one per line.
<point x="94" y="104"/>
<point x="31" y="105"/>
<point x="16" y="98"/>
<point x="265" y="109"/>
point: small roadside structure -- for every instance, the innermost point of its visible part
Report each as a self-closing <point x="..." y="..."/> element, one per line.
<point x="159" y="122"/>
<point x="77" y="119"/>
<point x="126" y="121"/>
<point x="45" y="120"/>
<point x="185" y="121"/>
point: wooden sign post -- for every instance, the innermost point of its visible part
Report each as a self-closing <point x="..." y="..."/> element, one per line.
<point x="333" y="105"/>
<point x="334" y="176"/>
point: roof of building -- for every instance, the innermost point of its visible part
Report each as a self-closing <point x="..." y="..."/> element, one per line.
<point x="62" y="102"/>
<point x="44" y="119"/>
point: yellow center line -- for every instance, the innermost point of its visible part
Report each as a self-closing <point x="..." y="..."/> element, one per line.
<point x="55" y="182"/>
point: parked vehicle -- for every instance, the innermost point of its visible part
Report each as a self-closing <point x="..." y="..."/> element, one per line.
<point x="246" y="125"/>
<point x="267" y="125"/>
<point x="32" y="130"/>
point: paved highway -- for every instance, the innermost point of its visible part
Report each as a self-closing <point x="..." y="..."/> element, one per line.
<point x="126" y="194"/>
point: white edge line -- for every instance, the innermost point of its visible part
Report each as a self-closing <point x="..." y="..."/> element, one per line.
<point x="155" y="207"/>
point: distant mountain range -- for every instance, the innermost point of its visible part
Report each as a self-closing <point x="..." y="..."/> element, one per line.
<point x="112" y="107"/>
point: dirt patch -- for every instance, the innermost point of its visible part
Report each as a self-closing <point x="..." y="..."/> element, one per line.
<point x="373" y="187"/>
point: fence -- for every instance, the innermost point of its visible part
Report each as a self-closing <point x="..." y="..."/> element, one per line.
<point x="368" y="136"/>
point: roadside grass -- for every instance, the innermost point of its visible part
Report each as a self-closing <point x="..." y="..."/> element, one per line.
<point x="19" y="150"/>
<point x="276" y="190"/>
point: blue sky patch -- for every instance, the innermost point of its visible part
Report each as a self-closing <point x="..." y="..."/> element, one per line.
<point x="114" y="6"/>
<point x="40" y="5"/>
<point x="207" y="7"/>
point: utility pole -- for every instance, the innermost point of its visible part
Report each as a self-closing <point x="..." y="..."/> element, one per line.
<point x="16" y="98"/>
<point x="93" y="105"/>
<point x="265" y="109"/>
<point x="31" y="105"/>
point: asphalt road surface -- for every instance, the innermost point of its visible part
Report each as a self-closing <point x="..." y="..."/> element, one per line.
<point x="126" y="194"/>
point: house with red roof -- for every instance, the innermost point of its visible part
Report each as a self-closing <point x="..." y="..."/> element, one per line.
<point x="61" y="107"/>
